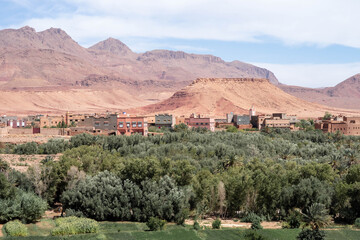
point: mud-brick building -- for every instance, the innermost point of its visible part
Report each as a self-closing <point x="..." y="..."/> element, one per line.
<point x="346" y="126"/>
<point x="128" y="125"/>
<point x="198" y="121"/>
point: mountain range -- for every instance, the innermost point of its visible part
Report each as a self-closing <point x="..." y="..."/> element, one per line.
<point x="49" y="72"/>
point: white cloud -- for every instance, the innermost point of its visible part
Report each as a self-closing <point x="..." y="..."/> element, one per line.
<point x="312" y="75"/>
<point x="320" y="22"/>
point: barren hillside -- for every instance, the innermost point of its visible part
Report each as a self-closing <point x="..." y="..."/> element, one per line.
<point x="217" y="96"/>
<point x="344" y="95"/>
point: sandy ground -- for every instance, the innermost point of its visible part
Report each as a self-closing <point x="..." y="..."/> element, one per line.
<point x="232" y="223"/>
<point x="24" y="138"/>
<point x="21" y="163"/>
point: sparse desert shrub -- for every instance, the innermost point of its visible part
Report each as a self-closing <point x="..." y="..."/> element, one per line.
<point x="155" y="224"/>
<point x="15" y="229"/>
<point x="216" y="224"/>
<point x="74" y="225"/>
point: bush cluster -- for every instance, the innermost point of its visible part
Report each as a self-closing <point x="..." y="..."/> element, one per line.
<point x="357" y="223"/>
<point x="74" y="225"/>
<point x="24" y="206"/>
<point x="107" y="197"/>
<point x="155" y="224"/>
<point x="15" y="229"/>
<point x="216" y="224"/>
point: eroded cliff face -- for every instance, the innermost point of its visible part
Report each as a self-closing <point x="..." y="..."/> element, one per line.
<point x="228" y="80"/>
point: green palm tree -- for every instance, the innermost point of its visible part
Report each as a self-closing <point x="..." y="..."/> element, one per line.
<point x="317" y="216"/>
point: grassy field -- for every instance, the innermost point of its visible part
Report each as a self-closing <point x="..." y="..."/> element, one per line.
<point x="138" y="231"/>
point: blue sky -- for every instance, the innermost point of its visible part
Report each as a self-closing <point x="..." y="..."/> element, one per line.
<point x="312" y="43"/>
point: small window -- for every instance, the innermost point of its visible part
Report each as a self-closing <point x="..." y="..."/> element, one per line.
<point x="133" y="124"/>
<point x="139" y="124"/>
<point x="121" y="124"/>
<point x="106" y="124"/>
<point x="197" y="123"/>
<point x="97" y="124"/>
<point x="128" y="124"/>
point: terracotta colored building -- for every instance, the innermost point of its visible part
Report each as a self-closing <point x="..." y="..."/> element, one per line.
<point x="128" y="125"/>
<point x="276" y="120"/>
<point x="200" y="122"/>
<point x="348" y="126"/>
<point x="179" y="120"/>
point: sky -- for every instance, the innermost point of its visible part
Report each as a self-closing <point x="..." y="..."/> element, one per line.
<point x="310" y="43"/>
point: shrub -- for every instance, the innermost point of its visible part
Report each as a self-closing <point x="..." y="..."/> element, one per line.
<point x="357" y="223"/>
<point x="27" y="207"/>
<point x="74" y="225"/>
<point x="252" y="217"/>
<point x="253" y="235"/>
<point x="216" y="224"/>
<point x="256" y="224"/>
<point x="308" y="234"/>
<point x="155" y="224"/>
<point x="293" y="220"/>
<point x="15" y="229"/>
<point x="196" y="226"/>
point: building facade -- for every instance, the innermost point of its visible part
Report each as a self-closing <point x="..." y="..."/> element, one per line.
<point x="104" y="123"/>
<point x="348" y="126"/>
<point x="50" y="121"/>
<point x="164" y="120"/>
<point x="200" y="122"/>
<point x="128" y="125"/>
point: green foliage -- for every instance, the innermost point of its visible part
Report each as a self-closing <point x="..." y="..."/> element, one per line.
<point x="107" y="197"/>
<point x="309" y="234"/>
<point x="256" y="224"/>
<point x="216" y="224"/>
<point x="231" y="129"/>
<point x="357" y="223"/>
<point x="196" y="226"/>
<point x="294" y="219"/>
<point x="27" y="148"/>
<point x="74" y="225"/>
<point x="182" y="127"/>
<point x="155" y="224"/>
<point x="316" y="216"/>
<point x="24" y="206"/>
<point x="327" y="116"/>
<point x="251" y="218"/>
<point x="15" y="229"/>
<point x="6" y="189"/>
<point x="254" y="235"/>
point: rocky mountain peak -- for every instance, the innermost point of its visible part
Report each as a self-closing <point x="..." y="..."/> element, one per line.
<point x="112" y="45"/>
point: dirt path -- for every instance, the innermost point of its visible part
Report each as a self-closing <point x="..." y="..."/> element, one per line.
<point x="1" y="233"/>
<point x="234" y="224"/>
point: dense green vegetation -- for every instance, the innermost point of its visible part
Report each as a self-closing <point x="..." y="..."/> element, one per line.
<point x="15" y="229"/>
<point x="74" y="225"/>
<point x="271" y="174"/>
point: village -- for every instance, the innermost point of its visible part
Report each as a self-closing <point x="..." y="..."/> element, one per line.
<point x="71" y="124"/>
